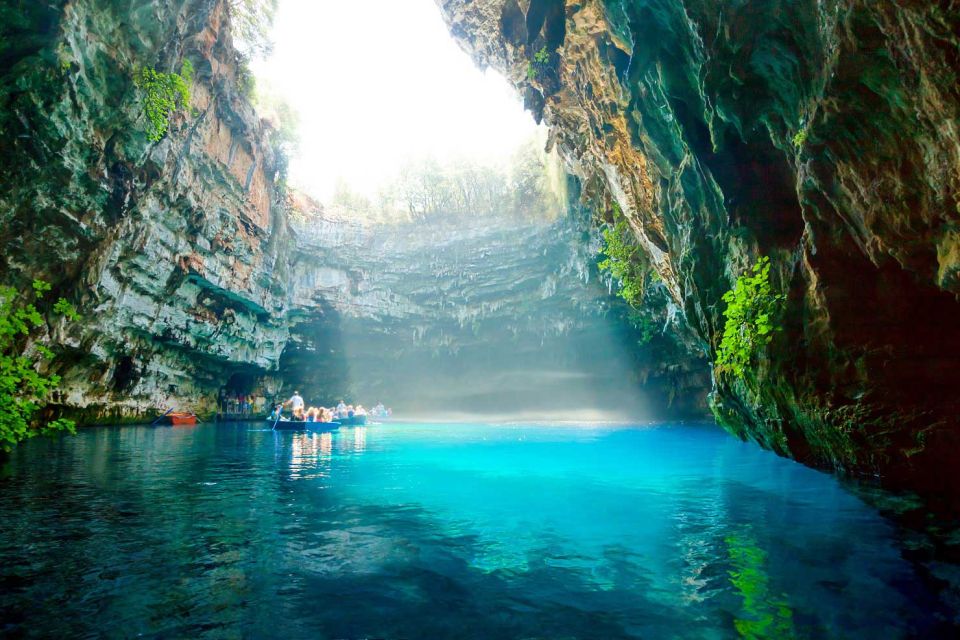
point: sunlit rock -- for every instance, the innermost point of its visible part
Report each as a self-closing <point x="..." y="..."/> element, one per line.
<point x="821" y="134"/>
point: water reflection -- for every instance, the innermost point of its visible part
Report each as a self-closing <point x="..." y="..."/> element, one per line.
<point x="311" y="455"/>
<point x="766" y="613"/>
<point x="495" y="532"/>
<point x="359" y="439"/>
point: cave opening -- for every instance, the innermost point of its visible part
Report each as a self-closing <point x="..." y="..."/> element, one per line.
<point x="125" y="374"/>
<point x="539" y="476"/>
<point x="241" y="383"/>
<point x="461" y="278"/>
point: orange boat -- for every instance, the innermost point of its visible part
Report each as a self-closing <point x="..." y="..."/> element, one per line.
<point x="182" y="418"/>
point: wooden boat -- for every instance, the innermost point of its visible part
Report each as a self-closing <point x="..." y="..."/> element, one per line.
<point x="181" y="418"/>
<point x="300" y="425"/>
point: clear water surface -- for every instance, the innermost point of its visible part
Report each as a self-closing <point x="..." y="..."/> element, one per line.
<point x="440" y="531"/>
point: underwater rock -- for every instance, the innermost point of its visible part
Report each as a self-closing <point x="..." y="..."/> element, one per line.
<point x="821" y="134"/>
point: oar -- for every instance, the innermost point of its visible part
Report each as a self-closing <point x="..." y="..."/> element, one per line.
<point x="161" y="417"/>
<point x="279" y="413"/>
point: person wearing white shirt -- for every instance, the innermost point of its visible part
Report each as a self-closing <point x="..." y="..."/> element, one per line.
<point x="295" y="401"/>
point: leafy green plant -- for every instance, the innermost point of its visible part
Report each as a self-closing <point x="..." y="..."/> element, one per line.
<point x="540" y="60"/>
<point x="751" y="309"/>
<point x="800" y="138"/>
<point x="626" y="264"/>
<point x="23" y="390"/>
<point x="642" y="320"/>
<point x="65" y="309"/>
<point x="64" y="59"/>
<point x="163" y="94"/>
<point x="623" y="262"/>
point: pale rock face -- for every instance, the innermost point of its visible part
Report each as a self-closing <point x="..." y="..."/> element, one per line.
<point x="821" y="134"/>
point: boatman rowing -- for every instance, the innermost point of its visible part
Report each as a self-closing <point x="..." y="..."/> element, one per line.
<point x="295" y="402"/>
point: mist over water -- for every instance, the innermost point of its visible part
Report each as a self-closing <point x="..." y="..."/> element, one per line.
<point x="582" y="378"/>
<point x="494" y="316"/>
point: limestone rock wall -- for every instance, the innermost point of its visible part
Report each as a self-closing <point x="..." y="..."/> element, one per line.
<point x="820" y="133"/>
<point x="168" y="249"/>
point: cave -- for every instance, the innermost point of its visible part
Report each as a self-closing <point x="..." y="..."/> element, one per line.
<point x="241" y="383"/>
<point x="125" y="374"/>
<point x="517" y="318"/>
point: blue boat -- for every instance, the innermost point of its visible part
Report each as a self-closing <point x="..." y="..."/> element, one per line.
<point x="353" y="421"/>
<point x="300" y="425"/>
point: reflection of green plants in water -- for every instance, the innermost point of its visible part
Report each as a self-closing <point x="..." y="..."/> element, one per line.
<point x="765" y="614"/>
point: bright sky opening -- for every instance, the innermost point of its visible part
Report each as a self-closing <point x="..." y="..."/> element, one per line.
<point x="378" y="83"/>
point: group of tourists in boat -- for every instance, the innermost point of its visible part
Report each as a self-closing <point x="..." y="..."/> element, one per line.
<point x="345" y="414"/>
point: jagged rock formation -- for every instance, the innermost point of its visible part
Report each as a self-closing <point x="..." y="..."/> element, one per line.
<point x="170" y="249"/>
<point x="821" y="134"/>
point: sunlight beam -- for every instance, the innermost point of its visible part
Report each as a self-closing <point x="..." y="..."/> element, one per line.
<point x="378" y="83"/>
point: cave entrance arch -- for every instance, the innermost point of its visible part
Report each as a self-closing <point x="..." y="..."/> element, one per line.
<point x="241" y="395"/>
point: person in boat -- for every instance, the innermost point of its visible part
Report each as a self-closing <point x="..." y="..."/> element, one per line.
<point x="312" y="414"/>
<point x="326" y="415"/>
<point x="299" y="415"/>
<point x="350" y="411"/>
<point x="359" y="411"/>
<point x="295" y="402"/>
<point x="276" y="413"/>
<point x="341" y="410"/>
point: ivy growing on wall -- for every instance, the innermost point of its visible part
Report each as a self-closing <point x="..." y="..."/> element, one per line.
<point x="623" y="262"/>
<point x="626" y="264"/>
<point x="23" y="390"/>
<point x="162" y="95"/>
<point x="752" y="307"/>
<point x="540" y="60"/>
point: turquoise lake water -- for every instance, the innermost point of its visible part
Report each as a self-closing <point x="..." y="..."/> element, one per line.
<point x="441" y="531"/>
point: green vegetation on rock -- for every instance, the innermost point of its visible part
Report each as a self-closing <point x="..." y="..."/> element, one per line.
<point x="800" y="138"/>
<point x="251" y="21"/>
<point x="751" y="308"/>
<point x="626" y="264"/>
<point x="623" y="262"/>
<point x="162" y="94"/>
<point x="64" y="59"/>
<point x="540" y="60"/>
<point x="23" y="390"/>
